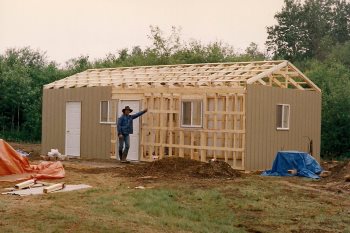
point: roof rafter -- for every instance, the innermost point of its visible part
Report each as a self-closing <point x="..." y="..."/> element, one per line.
<point x="192" y="75"/>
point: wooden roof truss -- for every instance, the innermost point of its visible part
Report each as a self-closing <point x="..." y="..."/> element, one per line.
<point x="270" y="73"/>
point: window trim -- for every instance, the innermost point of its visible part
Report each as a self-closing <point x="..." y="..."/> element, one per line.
<point x="284" y="128"/>
<point x="201" y="113"/>
<point x="108" y="112"/>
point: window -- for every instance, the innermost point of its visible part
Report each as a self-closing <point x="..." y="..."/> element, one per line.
<point x="191" y="115"/>
<point x="283" y="111"/>
<point x="107" y="112"/>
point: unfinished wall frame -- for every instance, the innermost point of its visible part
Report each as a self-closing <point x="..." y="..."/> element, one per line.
<point x="222" y="135"/>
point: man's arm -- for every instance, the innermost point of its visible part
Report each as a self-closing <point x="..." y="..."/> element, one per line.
<point x="136" y="115"/>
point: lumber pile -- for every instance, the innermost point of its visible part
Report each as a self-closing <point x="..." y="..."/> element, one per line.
<point x="49" y="187"/>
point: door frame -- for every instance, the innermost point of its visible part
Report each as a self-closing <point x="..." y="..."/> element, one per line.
<point x="139" y="141"/>
<point x="65" y="131"/>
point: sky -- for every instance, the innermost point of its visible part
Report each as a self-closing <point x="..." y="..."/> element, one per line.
<point x="66" y="29"/>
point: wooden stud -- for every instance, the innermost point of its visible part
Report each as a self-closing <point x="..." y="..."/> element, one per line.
<point x="171" y="126"/>
<point x="181" y="144"/>
<point x="226" y="126"/>
<point x="215" y="123"/>
<point x="162" y="133"/>
<point x="192" y="144"/>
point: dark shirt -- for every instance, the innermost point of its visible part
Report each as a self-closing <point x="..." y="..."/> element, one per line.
<point x="124" y="124"/>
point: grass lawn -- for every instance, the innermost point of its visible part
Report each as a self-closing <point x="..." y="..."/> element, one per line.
<point x="249" y="204"/>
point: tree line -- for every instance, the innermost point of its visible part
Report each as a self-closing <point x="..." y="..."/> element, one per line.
<point x="313" y="34"/>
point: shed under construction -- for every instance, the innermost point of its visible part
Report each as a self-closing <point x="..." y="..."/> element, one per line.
<point x="241" y="112"/>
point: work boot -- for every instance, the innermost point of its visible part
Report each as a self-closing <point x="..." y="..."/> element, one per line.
<point x="124" y="158"/>
<point x="120" y="155"/>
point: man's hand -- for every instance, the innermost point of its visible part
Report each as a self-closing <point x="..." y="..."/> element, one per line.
<point x="120" y="136"/>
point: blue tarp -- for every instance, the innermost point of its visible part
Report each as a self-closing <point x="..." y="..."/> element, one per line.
<point x="304" y="163"/>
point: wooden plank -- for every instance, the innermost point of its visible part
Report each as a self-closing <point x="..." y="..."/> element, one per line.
<point x="313" y="85"/>
<point x="192" y="144"/>
<point x="226" y="126"/>
<point x="44" y="183"/>
<point x="215" y="123"/>
<point x="243" y="128"/>
<point x="25" y="184"/>
<point x="182" y="146"/>
<point x="203" y="144"/>
<point x="293" y="82"/>
<point x="54" y="187"/>
<point x="177" y="91"/>
<point x="267" y="72"/>
<point x="150" y="123"/>
<point x="171" y="125"/>
<point x="162" y="134"/>
<point x="142" y="131"/>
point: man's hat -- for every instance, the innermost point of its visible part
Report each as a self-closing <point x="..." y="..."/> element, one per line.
<point x="127" y="108"/>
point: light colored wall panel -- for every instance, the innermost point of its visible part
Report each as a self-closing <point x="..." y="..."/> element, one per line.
<point x="95" y="137"/>
<point x="263" y="140"/>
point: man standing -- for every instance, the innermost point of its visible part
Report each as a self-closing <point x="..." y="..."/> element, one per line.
<point x="124" y="128"/>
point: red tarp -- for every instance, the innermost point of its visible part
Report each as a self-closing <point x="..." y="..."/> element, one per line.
<point x="12" y="163"/>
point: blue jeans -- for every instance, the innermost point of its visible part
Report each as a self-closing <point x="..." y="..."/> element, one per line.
<point x="123" y="152"/>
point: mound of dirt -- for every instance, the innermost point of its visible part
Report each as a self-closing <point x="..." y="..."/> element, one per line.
<point x="338" y="180"/>
<point x="175" y="167"/>
<point x="339" y="170"/>
<point x="216" y="169"/>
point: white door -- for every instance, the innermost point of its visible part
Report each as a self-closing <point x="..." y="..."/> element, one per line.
<point x="134" y="138"/>
<point x="73" y="120"/>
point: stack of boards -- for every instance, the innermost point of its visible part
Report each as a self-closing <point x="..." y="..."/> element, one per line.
<point x="48" y="187"/>
<point x="34" y="187"/>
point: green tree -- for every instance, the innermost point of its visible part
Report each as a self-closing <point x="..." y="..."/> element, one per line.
<point x="334" y="80"/>
<point x="304" y="30"/>
<point x="22" y="74"/>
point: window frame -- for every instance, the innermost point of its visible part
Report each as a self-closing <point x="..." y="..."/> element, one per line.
<point x="282" y="113"/>
<point x="191" y="117"/>
<point x="108" y="113"/>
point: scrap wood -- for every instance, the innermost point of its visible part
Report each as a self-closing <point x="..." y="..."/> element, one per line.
<point x="44" y="183"/>
<point x="9" y="189"/>
<point x="25" y="184"/>
<point x="54" y="187"/>
<point x="292" y="171"/>
<point x="347" y="178"/>
<point x="256" y="172"/>
<point x="148" y="177"/>
<point x="30" y="184"/>
<point x="325" y="173"/>
<point x="40" y="190"/>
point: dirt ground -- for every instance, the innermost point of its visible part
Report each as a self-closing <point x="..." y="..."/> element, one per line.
<point x="181" y="195"/>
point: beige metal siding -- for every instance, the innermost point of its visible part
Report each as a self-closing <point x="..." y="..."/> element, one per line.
<point x="264" y="140"/>
<point x="95" y="137"/>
